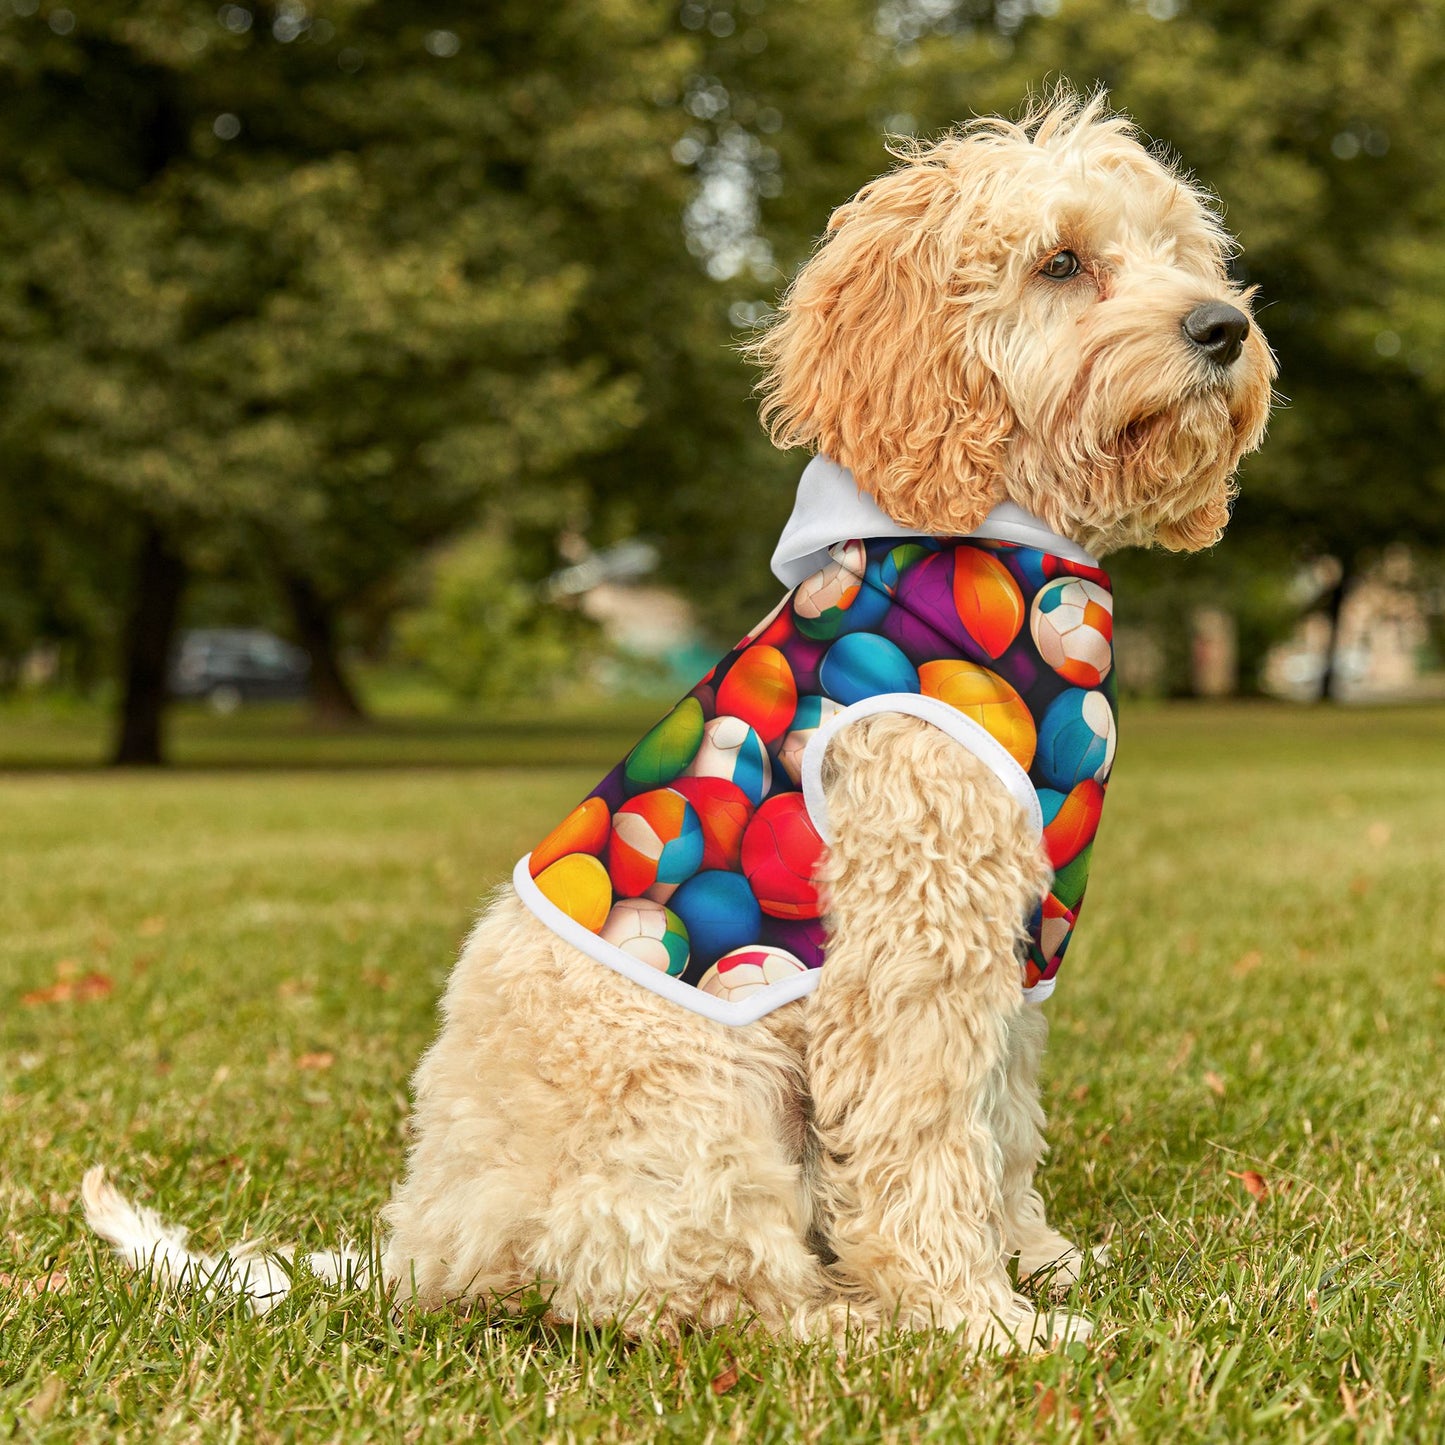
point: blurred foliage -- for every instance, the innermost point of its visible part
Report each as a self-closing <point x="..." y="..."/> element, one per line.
<point x="305" y="292"/>
<point x="1161" y="596"/>
<point x="482" y="633"/>
<point x="312" y="289"/>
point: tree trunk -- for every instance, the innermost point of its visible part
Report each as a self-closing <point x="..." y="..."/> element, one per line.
<point x="333" y="699"/>
<point x="1329" y="676"/>
<point x="160" y="578"/>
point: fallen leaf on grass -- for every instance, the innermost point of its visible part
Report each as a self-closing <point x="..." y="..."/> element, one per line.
<point x="1079" y="1094"/>
<point x="1377" y="834"/>
<point x="726" y="1379"/>
<point x="1440" y="980"/>
<point x="56" y="1282"/>
<point x="321" y="1059"/>
<point x="1047" y="1404"/>
<point x="1255" y="1184"/>
<point x="151" y="927"/>
<point x="1247" y="963"/>
<point x="67" y="990"/>
<point x="1214" y="1083"/>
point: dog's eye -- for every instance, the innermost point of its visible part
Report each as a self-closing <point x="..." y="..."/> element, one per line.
<point x="1060" y="266"/>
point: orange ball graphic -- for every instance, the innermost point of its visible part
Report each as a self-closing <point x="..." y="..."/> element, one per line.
<point x="988" y="599"/>
<point x="759" y="688"/>
<point x="584" y="830"/>
<point x="986" y="698"/>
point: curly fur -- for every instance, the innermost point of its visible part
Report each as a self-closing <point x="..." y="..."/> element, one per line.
<point x="865" y="1156"/>
<point x="921" y="348"/>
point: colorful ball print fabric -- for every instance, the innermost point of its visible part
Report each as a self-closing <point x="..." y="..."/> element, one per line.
<point x="694" y="860"/>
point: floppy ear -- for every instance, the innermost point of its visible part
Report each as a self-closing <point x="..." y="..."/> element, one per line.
<point x="872" y="359"/>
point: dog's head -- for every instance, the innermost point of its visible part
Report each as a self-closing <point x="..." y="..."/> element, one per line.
<point x="1034" y="311"/>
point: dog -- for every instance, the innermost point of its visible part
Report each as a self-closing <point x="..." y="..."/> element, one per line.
<point x="1018" y="350"/>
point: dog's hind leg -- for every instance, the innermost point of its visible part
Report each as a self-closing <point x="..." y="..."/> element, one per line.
<point x="578" y="1135"/>
<point x="932" y="871"/>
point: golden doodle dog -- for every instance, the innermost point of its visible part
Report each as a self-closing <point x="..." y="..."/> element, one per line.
<point x="1018" y="350"/>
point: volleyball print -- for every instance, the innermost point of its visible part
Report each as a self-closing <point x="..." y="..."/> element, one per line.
<point x="698" y="856"/>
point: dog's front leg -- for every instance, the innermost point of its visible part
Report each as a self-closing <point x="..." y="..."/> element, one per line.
<point x="933" y="867"/>
<point x="1043" y="1253"/>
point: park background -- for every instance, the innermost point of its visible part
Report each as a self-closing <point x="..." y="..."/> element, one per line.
<point x="413" y="339"/>
<point x="408" y="334"/>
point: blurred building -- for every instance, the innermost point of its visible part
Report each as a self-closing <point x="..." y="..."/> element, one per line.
<point x="1382" y="650"/>
<point x="655" y="640"/>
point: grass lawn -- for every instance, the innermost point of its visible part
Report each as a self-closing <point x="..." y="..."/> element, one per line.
<point x="217" y="980"/>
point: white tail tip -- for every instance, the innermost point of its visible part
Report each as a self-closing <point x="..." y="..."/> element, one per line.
<point x="147" y="1243"/>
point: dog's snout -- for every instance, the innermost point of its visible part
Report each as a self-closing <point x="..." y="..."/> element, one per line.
<point x="1218" y="330"/>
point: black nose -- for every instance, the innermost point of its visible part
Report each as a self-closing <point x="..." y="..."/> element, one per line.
<point x="1218" y="330"/>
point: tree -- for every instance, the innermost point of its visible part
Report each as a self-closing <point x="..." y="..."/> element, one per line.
<point x="292" y="284"/>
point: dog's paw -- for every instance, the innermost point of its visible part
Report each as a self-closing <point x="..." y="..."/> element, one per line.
<point x="1023" y="1326"/>
<point x="1058" y="1271"/>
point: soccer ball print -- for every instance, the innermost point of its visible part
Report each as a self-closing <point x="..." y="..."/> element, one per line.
<point x="1072" y="621"/>
<point x="697" y="854"/>
<point x="835" y="600"/>
<point x="733" y="750"/>
<point x="1076" y="740"/>
<point x="811" y="713"/>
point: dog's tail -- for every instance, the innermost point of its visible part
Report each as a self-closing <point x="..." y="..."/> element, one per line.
<point x="262" y="1277"/>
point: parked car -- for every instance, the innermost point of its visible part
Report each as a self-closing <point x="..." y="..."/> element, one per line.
<point x="230" y="665"/>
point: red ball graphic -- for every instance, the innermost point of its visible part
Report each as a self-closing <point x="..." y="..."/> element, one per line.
<point x="723" y="809"/>
<point x="1072" y="827"/>
<point x="774" y="630"/>
<point x="781" y="853"/>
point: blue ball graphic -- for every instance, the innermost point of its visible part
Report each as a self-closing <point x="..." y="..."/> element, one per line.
<point x="863" y="664"/>
<point x="886" y="571"/>
<point x="1027" y="565"/>
<point x="1076" y="739"/>
<point x="869" y="606"/>
<point x="721" y="914"/>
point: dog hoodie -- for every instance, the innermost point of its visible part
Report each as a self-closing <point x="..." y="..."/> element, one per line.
<point x="690" y="867"/>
